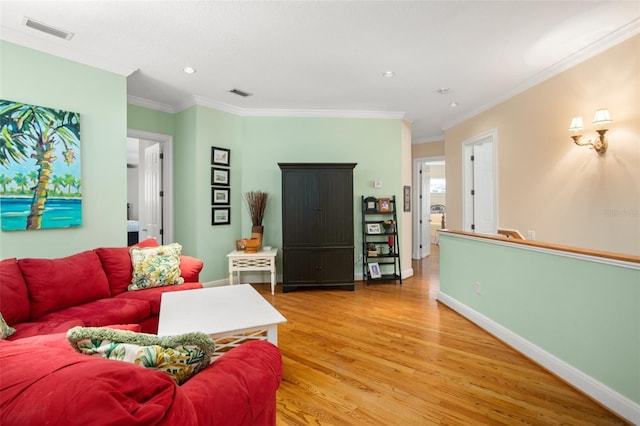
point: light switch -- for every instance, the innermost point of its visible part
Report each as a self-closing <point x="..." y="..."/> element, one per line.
<point x="377" y="184"/>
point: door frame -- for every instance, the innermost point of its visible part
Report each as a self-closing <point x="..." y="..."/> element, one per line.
<point x="166" y="144"/>
<point x="490" y="136"/>
<point x="416" y="252"/>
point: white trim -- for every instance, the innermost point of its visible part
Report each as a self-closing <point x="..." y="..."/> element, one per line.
<point x="264" y="112"/>
<point x="167" y="177"/>
<point x="552" y="251"/>
<point x="599" y="46"/>
<point x="406" y="273"/>
<point x="608" y="397"/>
<point x="146" y="103"/>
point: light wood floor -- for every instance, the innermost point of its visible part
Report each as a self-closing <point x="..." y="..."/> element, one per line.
<point x="387" y="354"/>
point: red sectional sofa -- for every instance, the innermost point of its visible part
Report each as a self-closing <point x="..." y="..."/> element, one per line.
<point x="44" y="296"/>
<point x="44" y="381"/>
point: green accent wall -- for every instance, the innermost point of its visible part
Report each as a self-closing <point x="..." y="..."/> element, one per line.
<point x="100" y="97"/>
<point x="257" y="145"/>
<point x="584" y="312"/>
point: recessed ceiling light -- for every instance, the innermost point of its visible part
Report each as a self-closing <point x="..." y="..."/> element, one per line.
<point x="453" y="104"/>
<point x="189" y="70"/>
<point x="388" y="74"/>
<point x="443" y="90"/>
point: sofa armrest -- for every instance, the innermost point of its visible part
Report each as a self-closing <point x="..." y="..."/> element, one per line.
<point x="239" y="387"/>
<point x="190" y="268"/>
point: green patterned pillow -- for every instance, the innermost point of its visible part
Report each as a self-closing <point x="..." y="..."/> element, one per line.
<point x="5" y="329"/>
<point x="179" y="356"/>
<point x="155" y="266"/>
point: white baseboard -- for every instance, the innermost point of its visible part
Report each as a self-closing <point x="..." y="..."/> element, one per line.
<point x="608" y="397"/>
<point x="217" y="283"/>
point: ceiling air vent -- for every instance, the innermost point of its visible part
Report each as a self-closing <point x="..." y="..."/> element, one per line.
<point x="240" y="93"/>
<point x="47" y="29"/>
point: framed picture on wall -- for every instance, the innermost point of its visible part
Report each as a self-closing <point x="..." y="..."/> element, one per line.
<point x="220" y="215"/>
<point x="220" y="156"/>
<point x="220" y="196"/>
<point x="219" y="176"/>
<point x="407" y="198"/>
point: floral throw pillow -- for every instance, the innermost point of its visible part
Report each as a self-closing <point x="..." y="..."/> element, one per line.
<point x="5" y="329"/>
<point x="155" y="266"/>
<point x="181" y="357"/>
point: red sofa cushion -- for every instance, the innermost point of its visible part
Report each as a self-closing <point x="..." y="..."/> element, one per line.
<point x="243" y="384"/>
<point x="55" y="284"/>
<point x="154" y="295"/>
<point x="74" y="389"/>
<point x="116" y="262"/>
<point x="14" y="299"/>
<point x="190" y="268"/>
<point x="36" y="328"/>
<point x="104" y="311"/>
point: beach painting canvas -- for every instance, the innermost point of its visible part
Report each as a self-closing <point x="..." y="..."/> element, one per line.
<point x="40" y="174"/>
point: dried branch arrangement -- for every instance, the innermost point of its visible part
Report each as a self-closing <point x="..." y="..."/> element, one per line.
<point x="257" y="203"/>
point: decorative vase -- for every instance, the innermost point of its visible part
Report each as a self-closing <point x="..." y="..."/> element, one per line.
<point x="256" y="232"/>
<point x="251" y="245"/>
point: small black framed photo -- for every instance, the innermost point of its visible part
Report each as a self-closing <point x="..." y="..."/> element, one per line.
<point x="370" y="205"/>
<point x="220" y="176"/>
<point x="373" y="228"/>
<point x="407" y="198"/>
<point x="220" y="196"/>
<point x="220" y="156"/>
<point x="374" y="270"/>
<point x="220" y="215"/>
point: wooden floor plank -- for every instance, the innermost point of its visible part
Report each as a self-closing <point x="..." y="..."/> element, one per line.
<point x="390" y="354"/>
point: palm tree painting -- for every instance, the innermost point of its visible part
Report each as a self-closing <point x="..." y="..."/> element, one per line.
<point x="40" y="179"/>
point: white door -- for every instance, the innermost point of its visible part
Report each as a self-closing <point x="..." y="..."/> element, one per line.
<point x="480" y="206"/>
<point x="421" y="244"/>
<point x="151" y="215"/>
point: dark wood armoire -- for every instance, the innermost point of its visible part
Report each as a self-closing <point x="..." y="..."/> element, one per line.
<point x="317" y="225"/>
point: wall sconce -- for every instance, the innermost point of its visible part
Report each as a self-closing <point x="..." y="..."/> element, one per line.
<point x="600" y="119"/>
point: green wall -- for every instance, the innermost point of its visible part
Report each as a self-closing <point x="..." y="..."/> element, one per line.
<point x="583" y="312"/>
<point x="100" y="97"/>
<point x="257" y="145"/>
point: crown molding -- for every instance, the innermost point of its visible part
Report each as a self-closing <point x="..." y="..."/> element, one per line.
<point x="282" y="112"/>
<point x="146" y="103"/>
<point x="598" y="46"/>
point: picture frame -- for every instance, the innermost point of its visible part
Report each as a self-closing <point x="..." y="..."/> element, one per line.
<point x="374" y="270"/>
<point x="220" y="156"/>
<point x="373" y="228"/>
<point x="384" y="205"/>
<point x="239" y="245"/>
<point x="220" y="215"/>
<point x="220" y="196"/>
<point x="407" y="198"/>
<point x="220" y="176"/>
<point x="370" y="205"/>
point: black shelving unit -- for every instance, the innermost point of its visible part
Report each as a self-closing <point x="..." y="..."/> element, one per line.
<point x="380" y="229"/>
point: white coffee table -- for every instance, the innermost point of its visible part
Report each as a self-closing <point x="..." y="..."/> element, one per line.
<point x="231" y="315"/>
<point x="263" y="260"/>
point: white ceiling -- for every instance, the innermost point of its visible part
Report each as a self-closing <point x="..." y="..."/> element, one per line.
<point x="326" y="58"/>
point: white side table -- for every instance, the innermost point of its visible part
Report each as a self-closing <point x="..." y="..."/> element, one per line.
<point x="264" y="260"/>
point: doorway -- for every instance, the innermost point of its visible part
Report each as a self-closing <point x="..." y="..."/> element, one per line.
<point x="429" y="193"/>
<point x="479" y="201"/>
<point x="149" y="186"/>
